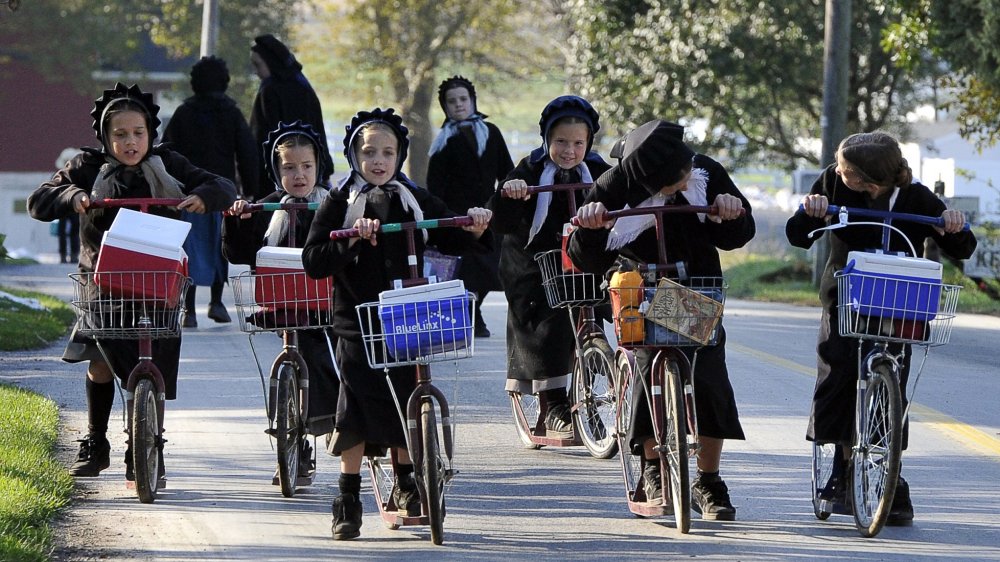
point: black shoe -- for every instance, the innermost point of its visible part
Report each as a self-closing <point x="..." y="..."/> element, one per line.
<point x="130" y="471"/>
<point x="559" y="418"/>
<point x="482" y="331"/>
<point x="94" y="456"/>
<point x="346" y="517"/>
<point x="188" y="320"/>
<point x="901" y="512"/>
<point x="652" y="484"/>
<point x="307" y="464"/>
<point x="710" y="497"/>
<point x="406" y="497"/>
<point x="217" y="311"/>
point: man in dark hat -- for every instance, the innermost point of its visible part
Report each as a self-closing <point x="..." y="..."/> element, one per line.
<point x="284" y="96"/>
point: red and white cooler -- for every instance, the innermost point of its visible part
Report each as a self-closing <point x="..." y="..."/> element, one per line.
<point x="142" y="257"/>
<point x="281" y="281"/>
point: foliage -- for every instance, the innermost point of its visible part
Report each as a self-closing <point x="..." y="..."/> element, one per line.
<point x="33" y="485"/>
<point x="397" y="51"/>
<point x="3" y="249"/>
<point x="22" y="327"/>
<point x="963" y="35"/>
<point x="750" y="71"/>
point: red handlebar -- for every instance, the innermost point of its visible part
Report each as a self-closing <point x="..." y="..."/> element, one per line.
<point x="144" y="203"/>
<point x="661" y="209"/>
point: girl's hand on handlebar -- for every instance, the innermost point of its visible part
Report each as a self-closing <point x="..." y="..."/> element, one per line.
<point x="954" y="221"/>
<point x="236" y="210"/>
<point x="81" y="201"/>
<point x="515" y="189"/>
<point x="192" y="204"/>
<point x="591" y="216"/>
<point x="728" y="207"/>
<point x="815" y="205"/>
<point x="367" y="228"/>
<point x="480" y="220"/>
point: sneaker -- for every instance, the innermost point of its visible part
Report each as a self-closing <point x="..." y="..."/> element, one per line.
<point x="558" y="419"/>
<point x="652" y="484"/>
<point x="217" y="311"/>
<point x="406" y="497"/>
<point x="94" y="456"/>
<point x="901" y="512"/>
<point x="346" y="517"/>
<point x="307" y="464"/>
<point x="710" y="497"/>
<point x="188" y="320"/>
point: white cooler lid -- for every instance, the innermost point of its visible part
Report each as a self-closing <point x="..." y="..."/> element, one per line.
<point x="868" y="262"/>
<point x="148" y="229"/>
<point x="279" y="257"/>
<point x="420" y="293"/>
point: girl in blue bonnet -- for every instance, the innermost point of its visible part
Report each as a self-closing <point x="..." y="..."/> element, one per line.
<point x="540" y="342"/>
<point x="375" y="192"/>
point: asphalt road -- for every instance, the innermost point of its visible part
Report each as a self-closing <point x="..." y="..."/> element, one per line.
<point x="516" y="504"/>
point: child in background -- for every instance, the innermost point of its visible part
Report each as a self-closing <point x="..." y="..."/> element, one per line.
<point x="375" y="192"/>
<point x="656" y="167"/>
<point x="468" y="158"/>
<point x="127" y="166"/>
<point x="540" y="342"/>
<point x="870" y="172"/>
<point x="291" y="158"/>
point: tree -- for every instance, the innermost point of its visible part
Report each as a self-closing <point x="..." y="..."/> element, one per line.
<point x="963" y="34"/>
<point x="750" y="71"/>
<point x="397" y="51"/>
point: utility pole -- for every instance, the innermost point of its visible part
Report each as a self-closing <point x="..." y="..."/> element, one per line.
<point x="209" y="27"/>
<point x="837" y="48"/>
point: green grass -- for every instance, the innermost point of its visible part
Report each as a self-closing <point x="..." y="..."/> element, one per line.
<point x="22" y="327"/>
<point x="33" y="485"/>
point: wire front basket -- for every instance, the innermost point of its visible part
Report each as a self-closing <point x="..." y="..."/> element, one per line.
<point x="564" y="285"/>
<point x="875" y="307"/>
<point x="128" y="305"/>
<point x="418" y="332"/>
<point x="282" y="301"/>
<point x="670" y="313"/>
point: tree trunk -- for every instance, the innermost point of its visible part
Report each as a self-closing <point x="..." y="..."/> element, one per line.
<point x="417" y="118"/>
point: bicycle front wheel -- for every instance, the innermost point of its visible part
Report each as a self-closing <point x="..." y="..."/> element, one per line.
<point x="286" y="429"/>
<point x="631" y="464"/>
<point x="876" y="455"/>
<point x="433" y="469"/>
<point x="674" y="455"/>
<point x="593" y="393"/>
<point x="145" y="441"/>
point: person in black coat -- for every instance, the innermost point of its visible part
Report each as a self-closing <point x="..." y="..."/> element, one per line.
<point x="375" y="192"/>
<point x="127" y="166"/>
<point x="467" y="160"/>
<point x="284" y="96"/>
<point x="540" y="339"/>
<point x="211" y="132"/>
<point x="870" y="173"/>
<point x="658" y="168"/>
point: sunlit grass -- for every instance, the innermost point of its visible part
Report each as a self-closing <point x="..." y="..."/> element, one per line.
<point x="23" y="327"/>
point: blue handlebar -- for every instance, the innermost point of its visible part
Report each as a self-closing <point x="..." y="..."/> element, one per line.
<point x="876" y="214"/>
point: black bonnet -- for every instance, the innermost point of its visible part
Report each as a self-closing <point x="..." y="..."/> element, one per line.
<point x="124" y="94"/>
<point x="457" y="81"/>
<point x="275" y="137"/>
<point x="654" y="154"/>
<point x="387" y="116"/>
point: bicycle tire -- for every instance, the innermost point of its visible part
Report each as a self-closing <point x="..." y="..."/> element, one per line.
<point x="822" y="470"/>
<point x="286" y="429"/>
<point x="382" y="481"/>
<point x="145" y="441"/>
<point x="674" y="458"/>
<point x="876" y="457"/>
<point x="525" y="409"/>
<point x="433" y="471"/>
<point x="631" y="464"/>
<point x="593" y="393"/>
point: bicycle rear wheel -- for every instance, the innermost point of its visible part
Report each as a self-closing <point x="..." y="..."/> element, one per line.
<point x="525" y="409"/>
<point x="145" y="441"/>
<point x="593" y="393"/>
<point x="876" y="456"/>
<point x="673" y="438"/>
<point x="631" y="464"/>
<point x="433" y="471"/>
<point x="287" y="429"/>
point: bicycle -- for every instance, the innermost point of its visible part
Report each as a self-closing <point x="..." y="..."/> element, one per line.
<point x="884" y="312"/>
<point x="399" y="331"/>
<point x="667" y="329"/>
<point x="139" y="306"/>
<point x="591" y="394"/>
<point x="285" y="303"/>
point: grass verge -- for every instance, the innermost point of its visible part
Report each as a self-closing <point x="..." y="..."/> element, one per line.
<point x="23" y="327"/>
<point x="33" y="485"/>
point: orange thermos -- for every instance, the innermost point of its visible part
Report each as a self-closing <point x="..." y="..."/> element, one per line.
<point x="626" y="296"/>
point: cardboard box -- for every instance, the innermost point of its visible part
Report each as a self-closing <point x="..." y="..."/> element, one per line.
<point x="136" y="247"/>
<point x="683" y="311"/>
<point x="424" y="320"/>
<point x="891" y="286"/>
<point x="281" y="282"/>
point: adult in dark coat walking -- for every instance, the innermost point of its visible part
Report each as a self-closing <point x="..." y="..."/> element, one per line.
<point x="540" y="339"/>
<point x="212" y="133"/>
<point x="467" y="160"/>
<point x="284" y="96"/>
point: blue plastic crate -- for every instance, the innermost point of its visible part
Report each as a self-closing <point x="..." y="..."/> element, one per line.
<point x="419" y="329"/>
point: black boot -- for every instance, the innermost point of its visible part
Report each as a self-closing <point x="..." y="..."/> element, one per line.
<point x="347" y="508"/>
<point x="405" y="494"/>
<point x="94" y="456"/>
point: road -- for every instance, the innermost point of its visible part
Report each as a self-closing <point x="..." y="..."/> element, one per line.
<point x="516" y="504"/>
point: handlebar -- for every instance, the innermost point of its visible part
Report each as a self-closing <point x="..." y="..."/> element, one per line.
<point x="660" y="209"/>
<point x="406" y="226"/>
<point x="884" y="215"/>
<point x="559" y="187"/>
<point x="144" y="203"/>
<point x="258" y="207"/>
